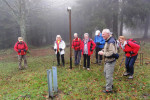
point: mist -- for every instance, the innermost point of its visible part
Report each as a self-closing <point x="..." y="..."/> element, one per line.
<point x="39" y="21"/>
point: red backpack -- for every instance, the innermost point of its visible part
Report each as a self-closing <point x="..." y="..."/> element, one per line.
<point x="132" y="40"/>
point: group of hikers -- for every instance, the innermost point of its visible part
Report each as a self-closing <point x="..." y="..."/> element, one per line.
<point x="105" y="46"/>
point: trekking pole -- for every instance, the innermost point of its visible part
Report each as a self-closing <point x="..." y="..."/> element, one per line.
<point x="80" y="63"/>
<point x="120" y="65"/>
<point x="141" y="58"/>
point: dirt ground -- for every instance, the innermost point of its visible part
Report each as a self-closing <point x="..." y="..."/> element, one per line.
<point x="32" y="52"/>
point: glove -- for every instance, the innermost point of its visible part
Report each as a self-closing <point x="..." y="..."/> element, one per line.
<point x="60" y="49"/>
<point x="116" y="56"/>
<point x="91" y="49"/>
<point x="97" y="43"/>
<point x="19" y="50"/>
<point x="54" y="49"/>
<point x="131" y="52"/>
<point x="25" y="50"/>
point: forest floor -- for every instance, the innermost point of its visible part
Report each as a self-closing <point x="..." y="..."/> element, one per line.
<point x="31" y="84"/>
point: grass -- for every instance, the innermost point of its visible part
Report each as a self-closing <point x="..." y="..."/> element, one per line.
<point x="31" y="84"/>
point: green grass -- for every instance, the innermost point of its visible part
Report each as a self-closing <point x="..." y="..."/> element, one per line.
<point x="31" y="84"/>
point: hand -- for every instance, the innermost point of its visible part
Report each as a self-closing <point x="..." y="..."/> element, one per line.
<point x="25" y="50"/>
<point x="101" y="53"/>
<point x="131" y="52"/>
<point x="19" y="50"/>
<point x="60" y="49"/>
<point x="91" y="49"/>
<point x="98" y="43"/>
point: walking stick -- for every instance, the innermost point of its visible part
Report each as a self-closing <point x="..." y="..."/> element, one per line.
<point x="120" y="65"/>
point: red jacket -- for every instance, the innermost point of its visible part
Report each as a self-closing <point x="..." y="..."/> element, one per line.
<point x="76" y="44"/>
<point x="91" y="45"/>
<point x="131" y="47"/>
<point x="21" y="46"/>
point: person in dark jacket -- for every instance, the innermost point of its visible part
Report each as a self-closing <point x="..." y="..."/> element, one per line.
<point x="100" y="42"/>
<point x="109" y="52"/>
<point x="131" y="51"/>
<point x="21" y="48"/>
<point x="76" y="45"/>
<point x="87" y="48"/>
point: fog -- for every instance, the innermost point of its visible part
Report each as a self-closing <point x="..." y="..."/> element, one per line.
<point x="39" y="21"/>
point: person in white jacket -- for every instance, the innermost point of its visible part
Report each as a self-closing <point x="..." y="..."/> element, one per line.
<point x="59" y="47"/>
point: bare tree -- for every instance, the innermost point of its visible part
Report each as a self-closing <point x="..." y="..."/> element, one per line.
<point x="19" y="10"/>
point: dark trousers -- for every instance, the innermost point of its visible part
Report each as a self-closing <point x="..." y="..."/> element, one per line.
<point x="62" y="58"/>
<point x="100" y="56"/>
<point x="130" y="64"/>
<point x="77" y="54"/>
<point x="86" y="60"/>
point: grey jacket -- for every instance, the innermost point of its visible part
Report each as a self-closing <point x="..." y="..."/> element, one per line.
<point x="110" y="48"/>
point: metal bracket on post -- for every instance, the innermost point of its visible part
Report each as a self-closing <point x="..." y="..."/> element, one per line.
<point x="55" y="79"/>
<point x="52" y="81"/>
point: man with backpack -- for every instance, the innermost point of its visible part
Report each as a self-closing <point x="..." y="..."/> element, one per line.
<point x="110" y="55"/>
<point x="76" y="45"/>
<point x="21" y="48"/>
<point x="131" y="48"/>
<point x="100" y="42"/>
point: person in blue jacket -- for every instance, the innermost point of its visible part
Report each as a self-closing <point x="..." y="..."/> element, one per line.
<point x="100" y="42"/>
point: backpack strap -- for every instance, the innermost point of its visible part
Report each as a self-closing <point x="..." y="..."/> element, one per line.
<point x="128" y="44"/>
<point x="19" y="43"/>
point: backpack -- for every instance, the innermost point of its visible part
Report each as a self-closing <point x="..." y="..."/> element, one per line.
<point x="20" y="43"/>
<point x="133" y="41"/>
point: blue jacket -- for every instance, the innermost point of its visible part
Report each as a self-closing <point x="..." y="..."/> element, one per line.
<point x="100" y="40"/>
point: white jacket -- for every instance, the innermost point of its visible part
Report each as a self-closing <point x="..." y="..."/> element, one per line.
<point x="62" y="45"/>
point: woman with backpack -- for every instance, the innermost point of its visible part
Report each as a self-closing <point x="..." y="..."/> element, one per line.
<point x="131" y="49"/>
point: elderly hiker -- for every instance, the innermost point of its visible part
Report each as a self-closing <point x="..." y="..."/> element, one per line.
<point x="131" y="51"/>
<point x="21" y="48"/>
<point x="59" y="47"/>
<point x="87" y="47"/>
<point x="100" y="42"/>
<point x="76" y="45"/>
<point x="110" y="54"/>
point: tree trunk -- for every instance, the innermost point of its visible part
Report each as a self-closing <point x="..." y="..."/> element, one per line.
<point x="23" y="29"/>
<point x="115" y="19"/>
<point x="121" y="18"/>
<point x="22" y="19"/>
<point x="146" y="26"/>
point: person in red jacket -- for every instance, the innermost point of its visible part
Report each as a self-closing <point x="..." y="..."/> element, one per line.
<point x="131" y="51"/>
<point x="21" y="48"/>
<point x="87" y="48"/>
<point x="76" y="45"/>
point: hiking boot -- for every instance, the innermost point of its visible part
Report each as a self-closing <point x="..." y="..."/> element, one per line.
<point x="130" y="77"/>
<point x="88" y="69"/>
<point x="20" y="68"/>
<point x="100" y="62"/>
<point x="26" y="67"/>
<point x="107" y="91"/>
<point x="58" y="64"/>
<point x="126" y="74"/>
<point x="96" y="62"/>
<point x="105" y="87"/>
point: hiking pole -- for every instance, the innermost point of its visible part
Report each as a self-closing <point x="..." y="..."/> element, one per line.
<point x="141" y="58"/>
<point x="120" y="64"/>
